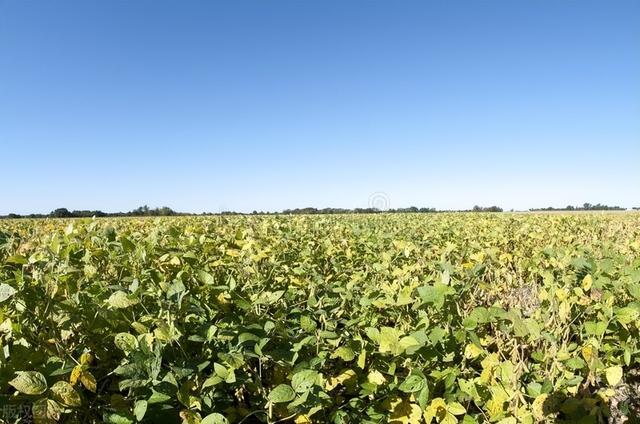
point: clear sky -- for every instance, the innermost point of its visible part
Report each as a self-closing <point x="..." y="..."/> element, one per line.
<point x="243" y="105"/>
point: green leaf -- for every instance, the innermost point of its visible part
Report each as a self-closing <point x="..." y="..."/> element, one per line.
<point x="373" y="334"/>
<point x="220" y="370"/>
<point x="469" y="323"/>
<point x="413" y="383"/>
<point x="437" y="335"/>
<point x="126" y="342"/>
<point x="29" y="382"/>
<point x="127" y="245"/>
<point x="456" y="408"/>
<point x="303" y="381"/>
<point x="17" y="260"/>
<point x="575" y="363"/>
<point x="520" y="329"/>
<point x="389" y="340"/>
<point x="116" y="418"/>
<point x="627" y="315"/>
<point x="534" y="389"/>
<point x="307" y="324"/>
<point x="175" y="287"/>
<point x="423" y="397"/>
<point x="121" y="300"/>
<point x="409" y="344"/>
<point x="158" y="397"/>
<point x="480" y="315"/>
<point x="445" y="278"/>
<point x="344" y="353"/>
<point x="435" y="294"/>
<point x="468" y="419"/>
<point x="634" y="290"/>
<point x="469" y="387"/>
<point x="140" y="409"/>
<point x="328" y="334"/>
<point x="6" y="291"/>
<point x="282" y="393"/>
<point x="595" y="328"/>
<point x="214" y="418"/>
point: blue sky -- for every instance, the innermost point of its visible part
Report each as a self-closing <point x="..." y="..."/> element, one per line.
<point x="209" y="106"/>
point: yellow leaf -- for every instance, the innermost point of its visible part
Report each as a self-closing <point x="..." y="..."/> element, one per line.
<point x="190" y="417"/>
<point x="376" y="378"/>
<point x="588" y="353"/>
<point x="75" y="374"/>
<point x="402" y="411"/>
<point x="88" y="381"/>
<point x="499" y="397"/>
<point x="562" y="294"/>
<point x="614" y="375"/>
<point x="606" y="394"/>
<point x="392" y="402"/>
<point x="362" y="358"/>
<point x="343" y="378"/>
<point x="543" y="295"/>
<point x="64" y="393"/>
<point x="488" y="364"/>
<point x="472" y="351"/>
<point x="587" y="281"/>
<point x="86" y="358"/>
<point x="406" y="413"/>
<point x="495" y="407"/>
<point x="46" y="411"/>
<point x="233" y="253"/>
<point x="564" y="310"/>
<point x="390" y="340"/>
<point x="437" y="409"/>
<point x="538" y="406"/>
<point x="303" y="419"/>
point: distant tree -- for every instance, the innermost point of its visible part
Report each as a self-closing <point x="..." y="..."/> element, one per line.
<point x="487" y="209"/>
<point x="61" y="213"/>
<point x="141" y="211"/>
<point x="165" y="211"/>
<point x="584" y="207"/>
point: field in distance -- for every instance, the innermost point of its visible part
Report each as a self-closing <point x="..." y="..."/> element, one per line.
<point x="402" y="318"/>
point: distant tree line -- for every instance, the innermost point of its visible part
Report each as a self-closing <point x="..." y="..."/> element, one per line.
<point x="166" y="211"/>
<point x="65" y="213"/>
<point x="329" y="211"/>
<point x="314" y="211"/>
<point x="584" y="207"/>
<point x="486" y="209"/>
